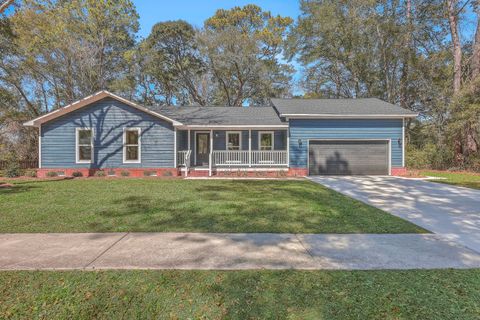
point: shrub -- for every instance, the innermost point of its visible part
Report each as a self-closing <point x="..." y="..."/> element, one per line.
<point x="111" y="172"/>
<point x="151" y="173"/>
<point x="100" y="173"/>
<point x="31" y="173"/>
<point x="429" y="156"/>
<point x="52" y="174"/>
<point x="124" y="173"/>
<point x="281" y="174"/>
<point x="260" y="174"/>
<point x="167" y="174"/>
<point x="77" y="174"/>
<point x="12" y="170"/>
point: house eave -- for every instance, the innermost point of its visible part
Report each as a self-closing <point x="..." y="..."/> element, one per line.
<point x="37" y="122"/>
<point x="348" y="116"/>
<point x="228" y="127"/>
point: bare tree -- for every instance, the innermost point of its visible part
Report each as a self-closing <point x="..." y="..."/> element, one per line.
<point x="456" y="45"/>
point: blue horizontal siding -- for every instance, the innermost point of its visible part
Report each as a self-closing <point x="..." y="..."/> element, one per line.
<point x="343" y="129"/>
<point x="108" y="118"/>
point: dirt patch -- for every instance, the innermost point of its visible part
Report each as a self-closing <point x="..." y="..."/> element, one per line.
<point x="5" y="185"/>
<point x="412" y="174"/>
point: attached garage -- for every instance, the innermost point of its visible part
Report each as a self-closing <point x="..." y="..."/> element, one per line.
<point x="349" y="157"/>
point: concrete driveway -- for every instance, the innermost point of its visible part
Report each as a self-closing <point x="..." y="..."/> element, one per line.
<point x="453" y="212"/>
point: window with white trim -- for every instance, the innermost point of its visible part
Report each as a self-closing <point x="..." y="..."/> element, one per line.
<point x="265" y="140"/>
<point x="131" y="145"/>
<point x="84" y="145"/>
<point x="234" y="140"/>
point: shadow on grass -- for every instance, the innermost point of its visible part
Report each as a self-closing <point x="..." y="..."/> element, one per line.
<point x="248" y="206"/>
<point x="14" y="189"/>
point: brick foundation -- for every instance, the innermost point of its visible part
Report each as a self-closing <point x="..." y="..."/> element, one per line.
<point x="402" y="171"/>
<point x="118" y="172"/>
<point x="251" y="173"/>
<point x="172" y="172"/>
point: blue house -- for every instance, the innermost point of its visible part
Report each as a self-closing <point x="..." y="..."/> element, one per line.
<point x="289" y="137"/>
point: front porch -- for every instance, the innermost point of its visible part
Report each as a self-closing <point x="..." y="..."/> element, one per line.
<point x="223" y="150"/>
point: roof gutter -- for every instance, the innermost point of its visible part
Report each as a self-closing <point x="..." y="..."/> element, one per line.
<point x="349" y="116"/>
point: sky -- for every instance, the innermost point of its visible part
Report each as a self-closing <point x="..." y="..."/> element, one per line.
<point x="197" y="11"/>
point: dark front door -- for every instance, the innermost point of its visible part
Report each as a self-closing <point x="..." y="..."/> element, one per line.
<point x="202" y="148"/>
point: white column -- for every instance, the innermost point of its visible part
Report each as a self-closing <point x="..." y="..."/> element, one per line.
<point x="40" y="147"/>
<point x="250" y="148"/>
<point x="175" y="148"/>
<point x="288" y="147"/>
<point x="188" y="140"/>
<point x="210" y="157"/>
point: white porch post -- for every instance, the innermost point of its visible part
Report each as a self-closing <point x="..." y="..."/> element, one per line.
<point x="175" y="148"/>
<point x="210" y="158"/>
<point x="40" y="147"/>
<point x="288" y="147"/>
<point x="250" y="147"/>
<point x="188" y="140"/>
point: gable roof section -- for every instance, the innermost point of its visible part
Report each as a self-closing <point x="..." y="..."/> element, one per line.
<point x="223" y="116"/>
<point x="89" y="100"/>
<point x="339" y="108"/>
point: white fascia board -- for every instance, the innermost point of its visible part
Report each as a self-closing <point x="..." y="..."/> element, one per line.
<point x="349" y="116"/>
<point x="87" y="101"/>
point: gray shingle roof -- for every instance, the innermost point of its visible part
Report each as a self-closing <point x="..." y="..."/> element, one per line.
<point x="364" y="106"/>
<point x="221" y="115"/>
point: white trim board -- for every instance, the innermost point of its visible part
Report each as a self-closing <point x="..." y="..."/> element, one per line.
<point x="89" y="100"/>
<point x="239" y="140"/>
<point x="139" y="130"/>
<point x="195" y="145"/>
<point x="346" y="116"/>
<point x="272" y="133"/>
<point x="92" y="134"/>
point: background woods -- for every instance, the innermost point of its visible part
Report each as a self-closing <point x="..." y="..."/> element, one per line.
<point x="421" y="54"/>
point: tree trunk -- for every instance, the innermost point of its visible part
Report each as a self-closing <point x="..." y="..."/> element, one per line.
<point x="406" y="57"/>
<point x="456" y="46"/>
<point x="476" y="51"/>
<point x="457" y="69"/>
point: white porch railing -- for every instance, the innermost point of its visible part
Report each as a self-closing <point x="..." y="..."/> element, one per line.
<point x="183" y="158"/>
<point x="230" y="158"/>
<point x="249" y="159"/>
<point x="243" y="158"/>
<point x="268" y="158"/>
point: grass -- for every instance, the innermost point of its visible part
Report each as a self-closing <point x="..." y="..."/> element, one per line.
<point x="415" y="294"/>
<point x="463" y="179"/>
<point x="107" y="205"/>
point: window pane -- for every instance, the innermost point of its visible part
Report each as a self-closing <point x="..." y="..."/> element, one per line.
<point x="85" y="153"/>
<point x="84" y="136"/>
<point x="132" y="137"/>
<point x="132" y="153"/>
<point x="266" y="141"/>
<point x="233" y="141"/>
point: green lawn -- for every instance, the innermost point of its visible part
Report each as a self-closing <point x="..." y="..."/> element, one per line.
<point x="416" y="294"/>
<point x="469" y="180"/>
<point x="105" y="205"/>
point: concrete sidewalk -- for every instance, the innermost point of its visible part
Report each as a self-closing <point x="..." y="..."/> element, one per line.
<point x="88" y="251"/>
